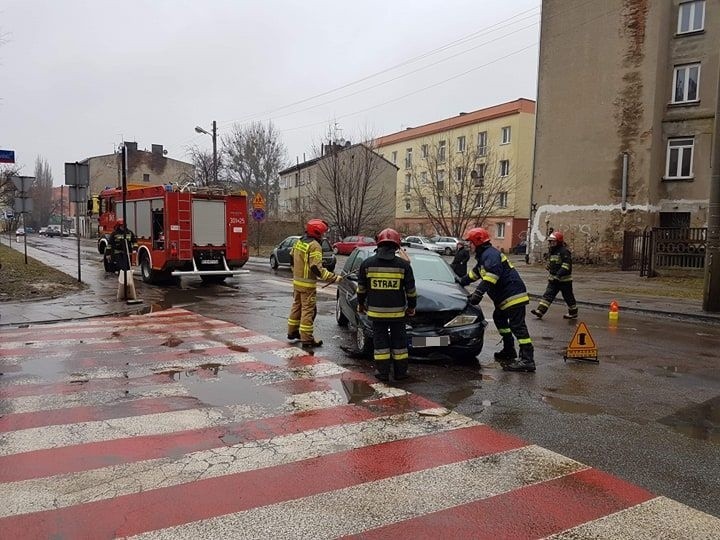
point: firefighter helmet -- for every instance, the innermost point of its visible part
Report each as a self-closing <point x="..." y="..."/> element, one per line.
<point x="557" y="236"/>
<point x="477" y="236"/>
<point x="120" y="222"/>
<point x="388" y="236"/>
<point x="316" y="228"/>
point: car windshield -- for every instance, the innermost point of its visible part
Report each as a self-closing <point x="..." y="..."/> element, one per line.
<point x="431" y="267"/>
<point x="425" y="239"/>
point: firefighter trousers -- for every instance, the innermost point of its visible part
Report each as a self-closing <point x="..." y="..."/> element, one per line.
<point x="302" y="314"/>
<point x="511" y="321"/>
<point x="390" y="344"/>
<point x="553" y="288"/>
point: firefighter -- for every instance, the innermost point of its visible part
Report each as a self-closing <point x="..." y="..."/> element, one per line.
<point x="560" y="279"/>
<point x="506" y="289"/>
<point x="459" y="263"/>
<point x="307" y="269"/>
<point x="122" y="243"/>
<point x="386" y="292"/>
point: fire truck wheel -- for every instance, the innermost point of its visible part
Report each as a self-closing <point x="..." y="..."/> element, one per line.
<point x="148" y="276"/>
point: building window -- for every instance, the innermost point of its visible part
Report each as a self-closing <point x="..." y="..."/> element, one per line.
<point x="459" y="175"/>
<point x="408" y="183"/>
<point x="505" y="167"/>
<point x="440" y="202"/>
<point x="441" y="151"/>
<point x="479" y="176"/>
<point x="408" y="207"/>
<point x="423" y="203"/>
<point x="482" y="143"/>
<point x="441" y="180"/>
<point x="146" y="177"/>
<point x="505" y="135"/>
<point x="691" y="17"/>
<point x="461" y="143"/>
<point x="408" y="158"/>
<point x="394" y="157"/>
<point x="679" y="159"/>
<point x="423" y="177"/>
<point x="502" y="199"/>
<point x="424" y="151"/>
<point x="479" y="201"/>
<point x="500" y="230"/>
<point x="685" y="83"/>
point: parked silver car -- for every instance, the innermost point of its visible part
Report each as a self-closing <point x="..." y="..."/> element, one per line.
<point x="449" y="243"/>
<point x="422" y="242"/>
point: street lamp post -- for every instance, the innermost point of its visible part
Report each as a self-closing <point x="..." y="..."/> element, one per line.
<point x="198" y="129"/>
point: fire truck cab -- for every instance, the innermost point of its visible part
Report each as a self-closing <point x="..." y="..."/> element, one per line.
<point x="180" y="233"/>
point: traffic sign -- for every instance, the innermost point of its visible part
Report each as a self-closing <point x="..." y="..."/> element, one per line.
<point x="7" y="156"/>
<point x="77" y="174"/>
<point x="23" y="205"/>
<point x="259" y="201"/>
<point x="22" y="183"/>
<point x="582" y="346"/>
<point x="258" y="214"/>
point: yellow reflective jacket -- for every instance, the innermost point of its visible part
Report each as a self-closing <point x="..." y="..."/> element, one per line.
<point x="307" y="264"/>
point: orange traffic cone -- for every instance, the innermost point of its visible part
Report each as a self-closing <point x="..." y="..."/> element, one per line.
<point x="614" y="312"/>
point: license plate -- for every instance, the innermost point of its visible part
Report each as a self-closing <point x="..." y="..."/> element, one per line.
<point x="210" y="262"/>
<point x="431" y="341"/>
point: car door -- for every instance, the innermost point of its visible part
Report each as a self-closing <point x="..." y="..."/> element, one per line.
<point x="283" y="251"/>
<point x="348" y="286"/>
<point x="414" y="241"/>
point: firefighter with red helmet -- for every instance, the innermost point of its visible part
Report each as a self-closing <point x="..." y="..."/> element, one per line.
<point x="386" y="293"/>
<point x="307" y="269"/>
<point x="501" y="281"/>
<point x="560" y="279"/>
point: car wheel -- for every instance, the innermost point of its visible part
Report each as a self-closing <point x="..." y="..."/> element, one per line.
<point x="102" y="244"/>
<point x="363" y="342"/>
<point x="448" y="251"/>
<point x="273" y="262"/>
<point x="341" y="319"/>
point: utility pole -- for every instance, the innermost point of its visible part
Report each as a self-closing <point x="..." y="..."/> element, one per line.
<point x="711" y="290"/>
<point x="215" y="162"/>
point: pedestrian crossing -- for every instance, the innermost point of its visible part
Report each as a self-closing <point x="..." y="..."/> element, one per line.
<point x="174" y="425"/>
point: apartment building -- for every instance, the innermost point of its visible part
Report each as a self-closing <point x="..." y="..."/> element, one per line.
<point x="345" y="182"/>
<point x="468" y="170"/>
<point x="626" y="104"/>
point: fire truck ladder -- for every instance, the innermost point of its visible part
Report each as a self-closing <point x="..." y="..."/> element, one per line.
<point x="185" y="250"/>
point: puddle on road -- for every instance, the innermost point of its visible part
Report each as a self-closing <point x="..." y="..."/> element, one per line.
<point x="701" y="421"/>
<point x="215" y="387"/>
<point x="573" y="407"/>
<point x="49" y="369"/>
<point x="456" y="397"/>
<point x="355" y="390"/>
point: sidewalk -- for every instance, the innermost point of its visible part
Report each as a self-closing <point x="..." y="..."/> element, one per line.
<point x="594" y="288"/>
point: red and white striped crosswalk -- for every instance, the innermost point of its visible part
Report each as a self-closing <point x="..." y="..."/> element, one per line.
<point x="174" y="425"/>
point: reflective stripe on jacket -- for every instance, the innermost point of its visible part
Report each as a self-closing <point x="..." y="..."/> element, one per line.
<point x="560" y="264"/>
<point x="307" y="264"/>
<point x="387" y="287"/>
<point x="500" y="279"/>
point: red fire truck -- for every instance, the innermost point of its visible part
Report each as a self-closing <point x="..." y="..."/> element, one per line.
<point x="180" y="233"/>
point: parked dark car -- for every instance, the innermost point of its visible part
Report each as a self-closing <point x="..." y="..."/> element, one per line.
<point x="445" y="323"/>
<point x="280" y="256"/>
<point x="347" y="244"/>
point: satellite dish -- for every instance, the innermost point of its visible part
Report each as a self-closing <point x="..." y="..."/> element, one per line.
<point x="164" y="152"/>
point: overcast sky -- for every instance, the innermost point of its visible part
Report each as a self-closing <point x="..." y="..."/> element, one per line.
<point x="78" y="77"/>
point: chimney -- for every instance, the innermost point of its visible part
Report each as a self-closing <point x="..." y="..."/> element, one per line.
<point x="131" y="146"/>
<point x="157" y="149"/>
<point x="462" y="114"/>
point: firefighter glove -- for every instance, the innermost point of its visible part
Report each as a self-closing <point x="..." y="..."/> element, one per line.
<point x="476" y="298"/>
<point x="410" y="312"/>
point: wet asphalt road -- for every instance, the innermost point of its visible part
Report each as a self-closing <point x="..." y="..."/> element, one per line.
<point x="649" y="412"/>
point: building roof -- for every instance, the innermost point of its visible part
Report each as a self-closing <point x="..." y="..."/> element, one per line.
<point x="311" y="162"/>
<point x="462" y="119"/>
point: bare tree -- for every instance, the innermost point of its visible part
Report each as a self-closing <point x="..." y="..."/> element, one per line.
<point x="349" y="188"/>
<point x="255" y="156"/>
<point x="456" y="188"/>
<point x="204" y="167"/>
<point x="41" y="192"/>
<point x="7" y="194"/>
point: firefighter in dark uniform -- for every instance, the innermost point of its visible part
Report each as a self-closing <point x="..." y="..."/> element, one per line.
<point x="122" y="243"/>
<point x="506" y="289"/>
<point x="459" y="263"/>
<point x="386" y="292"/>
<point x="307" y="268"/>
<point x="560" y="279"/>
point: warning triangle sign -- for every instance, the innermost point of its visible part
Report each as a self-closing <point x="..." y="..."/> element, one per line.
<point x="582" y="345"/>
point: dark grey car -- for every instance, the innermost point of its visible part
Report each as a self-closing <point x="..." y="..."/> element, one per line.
<point x="445" y="323"/>
<point x="280" y="256"/>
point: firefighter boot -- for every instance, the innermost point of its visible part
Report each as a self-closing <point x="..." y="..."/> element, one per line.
<point x="311" y="344"/>
<point x="539" y="312"/>
<point x="526" y="361"/>
<point x="294" y="336"/>
<point x="508" y="352"/>
<point x="572" y="313"/>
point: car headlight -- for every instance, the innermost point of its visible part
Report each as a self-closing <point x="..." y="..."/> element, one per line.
<point x="461" y="320"/>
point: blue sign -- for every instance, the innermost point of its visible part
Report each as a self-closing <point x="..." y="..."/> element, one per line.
<point x="258" y="214"/>
<point x="7" y="156"/>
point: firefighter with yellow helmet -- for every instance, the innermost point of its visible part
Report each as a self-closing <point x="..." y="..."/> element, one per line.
<point x="307" y="268"/>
